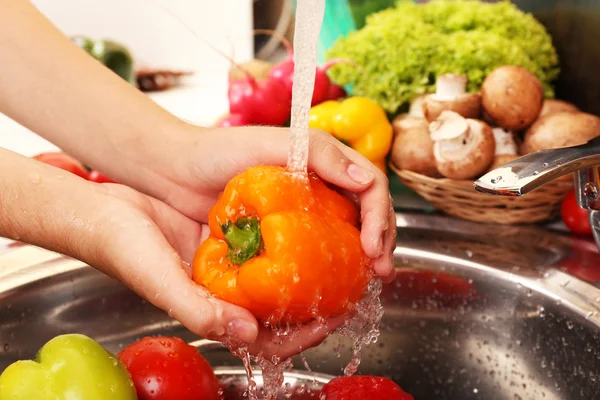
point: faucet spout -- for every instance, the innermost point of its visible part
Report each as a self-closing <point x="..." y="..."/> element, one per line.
<point x="529" y="172"/>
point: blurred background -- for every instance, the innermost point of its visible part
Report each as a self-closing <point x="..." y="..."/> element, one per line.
<point x="162" y="35"/>
<point x="187" y="36"/>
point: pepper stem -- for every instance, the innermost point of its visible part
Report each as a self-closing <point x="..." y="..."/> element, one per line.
<point x="243" y="238"/>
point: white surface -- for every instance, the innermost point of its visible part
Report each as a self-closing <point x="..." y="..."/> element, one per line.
<point x="161" y="39"/>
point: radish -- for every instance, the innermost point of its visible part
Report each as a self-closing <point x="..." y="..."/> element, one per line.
<point x="336" y="92"/>
<point x="284" y="71"/>
<point x="233" y="120"/>
<point x="269" y="101"/>
<point x="256" y="102"/>
<point x="259" y="102"/>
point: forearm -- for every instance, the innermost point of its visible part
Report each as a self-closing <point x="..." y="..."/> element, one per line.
<point x="57" y="90"/>
<point x="50" y="208"/>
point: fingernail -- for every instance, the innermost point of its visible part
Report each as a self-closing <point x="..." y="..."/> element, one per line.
<point x="243" y="330"/>
<point x="360" y="175"/>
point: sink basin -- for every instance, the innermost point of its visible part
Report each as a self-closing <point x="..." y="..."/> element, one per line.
<point x="477" y="312"/>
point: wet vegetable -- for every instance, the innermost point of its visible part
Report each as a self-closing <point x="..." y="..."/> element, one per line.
<point x="358" y="121"/>
<point x="284" y="248"/>
<point x="363" y="387"/>
<point x="72" y="367"/>
<point x="167" y="368"/>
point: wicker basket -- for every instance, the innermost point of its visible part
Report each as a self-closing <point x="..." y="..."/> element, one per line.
<point x="460" y="199"/>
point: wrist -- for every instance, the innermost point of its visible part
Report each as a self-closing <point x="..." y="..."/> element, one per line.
<point x="50" y="208"/>
<point x="149" y="160"/>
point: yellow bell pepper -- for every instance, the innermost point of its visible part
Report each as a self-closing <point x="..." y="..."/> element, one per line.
<point x="359" y="122"/>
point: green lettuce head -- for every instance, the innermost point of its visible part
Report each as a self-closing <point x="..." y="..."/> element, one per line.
<point x="403" y="49"/>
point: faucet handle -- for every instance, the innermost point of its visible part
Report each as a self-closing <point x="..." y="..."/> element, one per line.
<point x="529" y="172"/>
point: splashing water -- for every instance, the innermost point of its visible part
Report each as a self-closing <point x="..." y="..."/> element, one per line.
<point x="363" y="327"/>
<point x="309" y="18"/>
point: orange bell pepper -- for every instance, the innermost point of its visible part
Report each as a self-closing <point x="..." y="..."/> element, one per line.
<point x="285" y="248"/>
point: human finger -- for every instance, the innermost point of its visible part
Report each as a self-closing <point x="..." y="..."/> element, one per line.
<point x="295" y="340"/>
<point x="384" y="265"/>
<point x="140" y="256"/>
<point x="328" y="159"/>
<point x="375" y="204"/>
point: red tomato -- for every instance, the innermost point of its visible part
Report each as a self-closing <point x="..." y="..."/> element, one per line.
<point x="165" y="368"/>
<point x="99" y="177"/>
<point x="575" y="217"/>
<point x="64" y="162"/>
<point x="363" y="387"/>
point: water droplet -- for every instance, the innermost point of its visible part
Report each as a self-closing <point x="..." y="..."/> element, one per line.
<point x="536" y="173"/>
<point x="570" y="324"/>
<point x="6" y="347"/>
<point x="35" y="178"/>
<point x="544" y="165"/>
<point x="469" y="253"/>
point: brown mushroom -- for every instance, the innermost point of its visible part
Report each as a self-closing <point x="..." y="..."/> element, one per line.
<point x="501" y="160"/>
<point x="553" y="106"/>
<point x="416" y="107"/>
<point x="506" y="148"/>
<point x="512" y="97"/>
<point x="463" y="148"/>
<point x="505" y="142"/>
<point x="451" y="95"/>
<point x="413" y="148"/>
<point x="563" y="129"/>
<point x="406" y="121"/>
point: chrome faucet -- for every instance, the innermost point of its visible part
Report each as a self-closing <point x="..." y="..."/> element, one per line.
<point x="521" y="176"/>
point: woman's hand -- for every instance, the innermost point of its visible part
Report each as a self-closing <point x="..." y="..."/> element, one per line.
<point x="196" y="170"/>
<point x="131" y="237"/>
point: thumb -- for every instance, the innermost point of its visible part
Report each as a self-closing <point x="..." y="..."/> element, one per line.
<point x="141" y="257"/>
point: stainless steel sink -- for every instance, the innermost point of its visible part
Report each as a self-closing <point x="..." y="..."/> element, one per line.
<point x="526" y="330"/>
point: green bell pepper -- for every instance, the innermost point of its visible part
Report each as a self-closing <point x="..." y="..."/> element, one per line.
<point x="68" y="367"/>
<point x="113" y="55"/>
